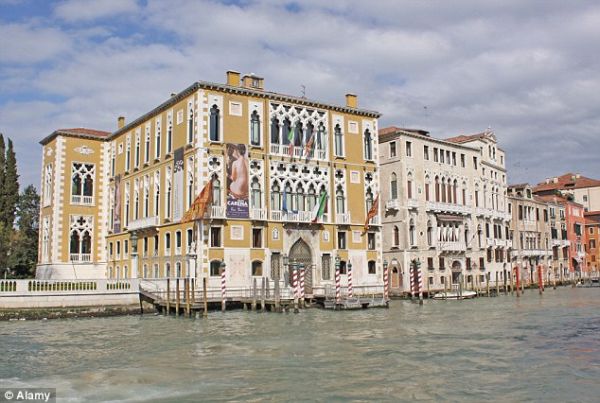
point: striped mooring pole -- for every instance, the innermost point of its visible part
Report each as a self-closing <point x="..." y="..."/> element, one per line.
<point x="386" y="282"/>
<point x="420" y="283"/>
<point x="540" y="278"/>
<point x="223" y="288"/>
<point x="338" y="285"/>
<point x="295" y="281"/>
<point x="350" y="287"/>
<point x="302" y="273"/>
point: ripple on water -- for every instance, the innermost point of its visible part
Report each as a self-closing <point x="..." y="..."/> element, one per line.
<point x="532" y="348"/>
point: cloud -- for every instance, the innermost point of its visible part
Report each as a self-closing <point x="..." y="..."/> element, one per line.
<point x="87" y="10"/>
<point x="27" y="43"/>
<point x="527" y="69"/>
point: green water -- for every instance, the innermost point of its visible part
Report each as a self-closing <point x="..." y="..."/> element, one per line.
<point x="506" y="349"/>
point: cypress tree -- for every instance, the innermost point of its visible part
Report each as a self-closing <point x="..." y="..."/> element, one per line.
<point x="2" y="171"/>
<point x="4" y="232"/>
<point x="10" y="187"/>
<point x="24" y="254"/>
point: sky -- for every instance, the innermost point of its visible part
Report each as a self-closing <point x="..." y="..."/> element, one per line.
<point x="529" y="70"/>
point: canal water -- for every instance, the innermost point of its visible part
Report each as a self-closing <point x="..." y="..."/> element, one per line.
<point x="529" y="349"/>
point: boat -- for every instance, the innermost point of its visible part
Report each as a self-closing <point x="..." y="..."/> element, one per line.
<point x="454" y="295"/>
<point x="588" y="283"/>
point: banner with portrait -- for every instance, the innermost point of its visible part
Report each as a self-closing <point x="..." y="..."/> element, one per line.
<point x="238" y="178"/>
<point x="178" y="176"/>
<point x="117" y="205"/>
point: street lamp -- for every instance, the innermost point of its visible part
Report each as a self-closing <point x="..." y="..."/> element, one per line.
<point x="385" y="264"/>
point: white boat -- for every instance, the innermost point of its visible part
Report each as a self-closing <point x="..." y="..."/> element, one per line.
<point x="455" y="295"/>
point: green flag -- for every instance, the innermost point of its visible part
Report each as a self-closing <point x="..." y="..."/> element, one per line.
<point x="319" y="208"/>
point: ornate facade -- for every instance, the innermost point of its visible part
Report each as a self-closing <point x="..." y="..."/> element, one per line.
<point x="113" y="202"/>
<point x="445" y="207"/>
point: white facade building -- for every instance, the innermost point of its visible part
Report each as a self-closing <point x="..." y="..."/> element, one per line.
<point x="445" y="205"/>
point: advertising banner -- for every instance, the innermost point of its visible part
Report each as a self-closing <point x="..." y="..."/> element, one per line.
<point x="117" y="206"/>
<point x="178" y="186"/>
<point x="237" y="181"/>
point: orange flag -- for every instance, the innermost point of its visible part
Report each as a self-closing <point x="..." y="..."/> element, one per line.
<point x="372" y="212"/>
<point x="199" y="206"/>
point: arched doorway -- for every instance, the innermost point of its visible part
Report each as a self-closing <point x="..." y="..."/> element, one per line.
<point x="396" y="281"/>
<point x="300" y="253"/>
<point x="456" y="271"/>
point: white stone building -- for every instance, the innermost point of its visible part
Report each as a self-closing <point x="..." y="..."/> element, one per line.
<point x="444" y="203"/>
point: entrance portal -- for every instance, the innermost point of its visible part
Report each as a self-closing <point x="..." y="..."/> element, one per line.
<point x="456" y="271"/>
<point x="300" y="253"/>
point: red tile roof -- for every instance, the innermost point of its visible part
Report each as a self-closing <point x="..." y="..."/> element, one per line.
<point x="394" y="129"/>
<point x="82" y="131"/>
<point x="464" y="138"/>
<point x="77" y="132"/>
<point x="567" y="181"/>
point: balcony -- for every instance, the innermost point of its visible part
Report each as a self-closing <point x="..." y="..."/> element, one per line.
<point x="451" y="247"/>
<point x="84" y="200"/>
<point x="258" y="214"/>
<point x="565" y="242"/>
<point x="146" y="222"/>
<point x="342" y="219"/>
<point x="392" y="204"/>
<point x="80" y="257"/>
<point x="499" y="242"/>
<point x="216" y="212"/>
<point x="448" y="208"/>
<point x="489" y="242"/>
<point x="295" y="216"/>
<point x="509" y="243"/>
<point x="413" y="203"/>
<point x="483" y="212"/>
<point x="374" y="220"/>
<point x="297" y="152"/>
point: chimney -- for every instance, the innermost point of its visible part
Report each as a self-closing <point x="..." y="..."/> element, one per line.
<point x="253" y="81"/>
<point x="555" y="180"/>
<point x="351" y="101"/>
<point x="577" y="176"/>
<point x="233" y="78"/>
<point x="120" y="122"/>
<point x="173" y="94"/>
<point x="547" y="181"/>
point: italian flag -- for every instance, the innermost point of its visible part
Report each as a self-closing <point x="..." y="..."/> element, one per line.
<point x="319" y="208"/>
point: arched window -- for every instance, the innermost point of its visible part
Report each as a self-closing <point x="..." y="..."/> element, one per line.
<point x="464" y="194"/>
<point x="145" y="271"/>
<point x="429" y="233"/>
<point x="340" y="201"/>
<point x="156" y="273"/>
<point x="394" y="186"/>
<point x="369" y="200"/>
<point x="339" y="141"/>
<point x="157" y="143"/>
<point x="255" y="129"/>
<point x="437" y="189"/>
<point x="371" y="267"/>
<point x="167" y="269"/>
<point x="88" y="185"/>
<point x="426" y="188"/>
<point x="255" y="195"/>
<point x="274" y="131"/>
<point x="190" y="183"/>
<point x="156" y="193"/>
<point x="368" y="145"/>
<point x="75" y="245"/>
<point x="178" y="269"/>
<point x="216" y="196"/>
<point x="311" y="198"/>
<point x="409" y="186"/>
<point x="443" y="190"/>
<point x="300" y="205"/>
<point x="215" y="121"/>
<point x="412" y="232"/>
<point x="310" y="132"/>
<point x="321" y="138"/>
<point x="289" y="197"/>
<point x="215" y="268"/>
<point x="298" y="131"/>
<point x="285" y="140"/>
<point x="168" y="243"/>
<point x="117" y="272"/>
<point x="125" y="272"/>
<point x="111" y="273"/>
<point x="454" y="191"/>
<point x="396" y="236"/>
<point x="275" y="197"/>
<point x="257" y="269"/>
<point x="168" y="193"/>
<point x="190" y="124"/>
<point x="169" y="134"/>
<point x="147" y="145"/>
<point x="82" y="183"/>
